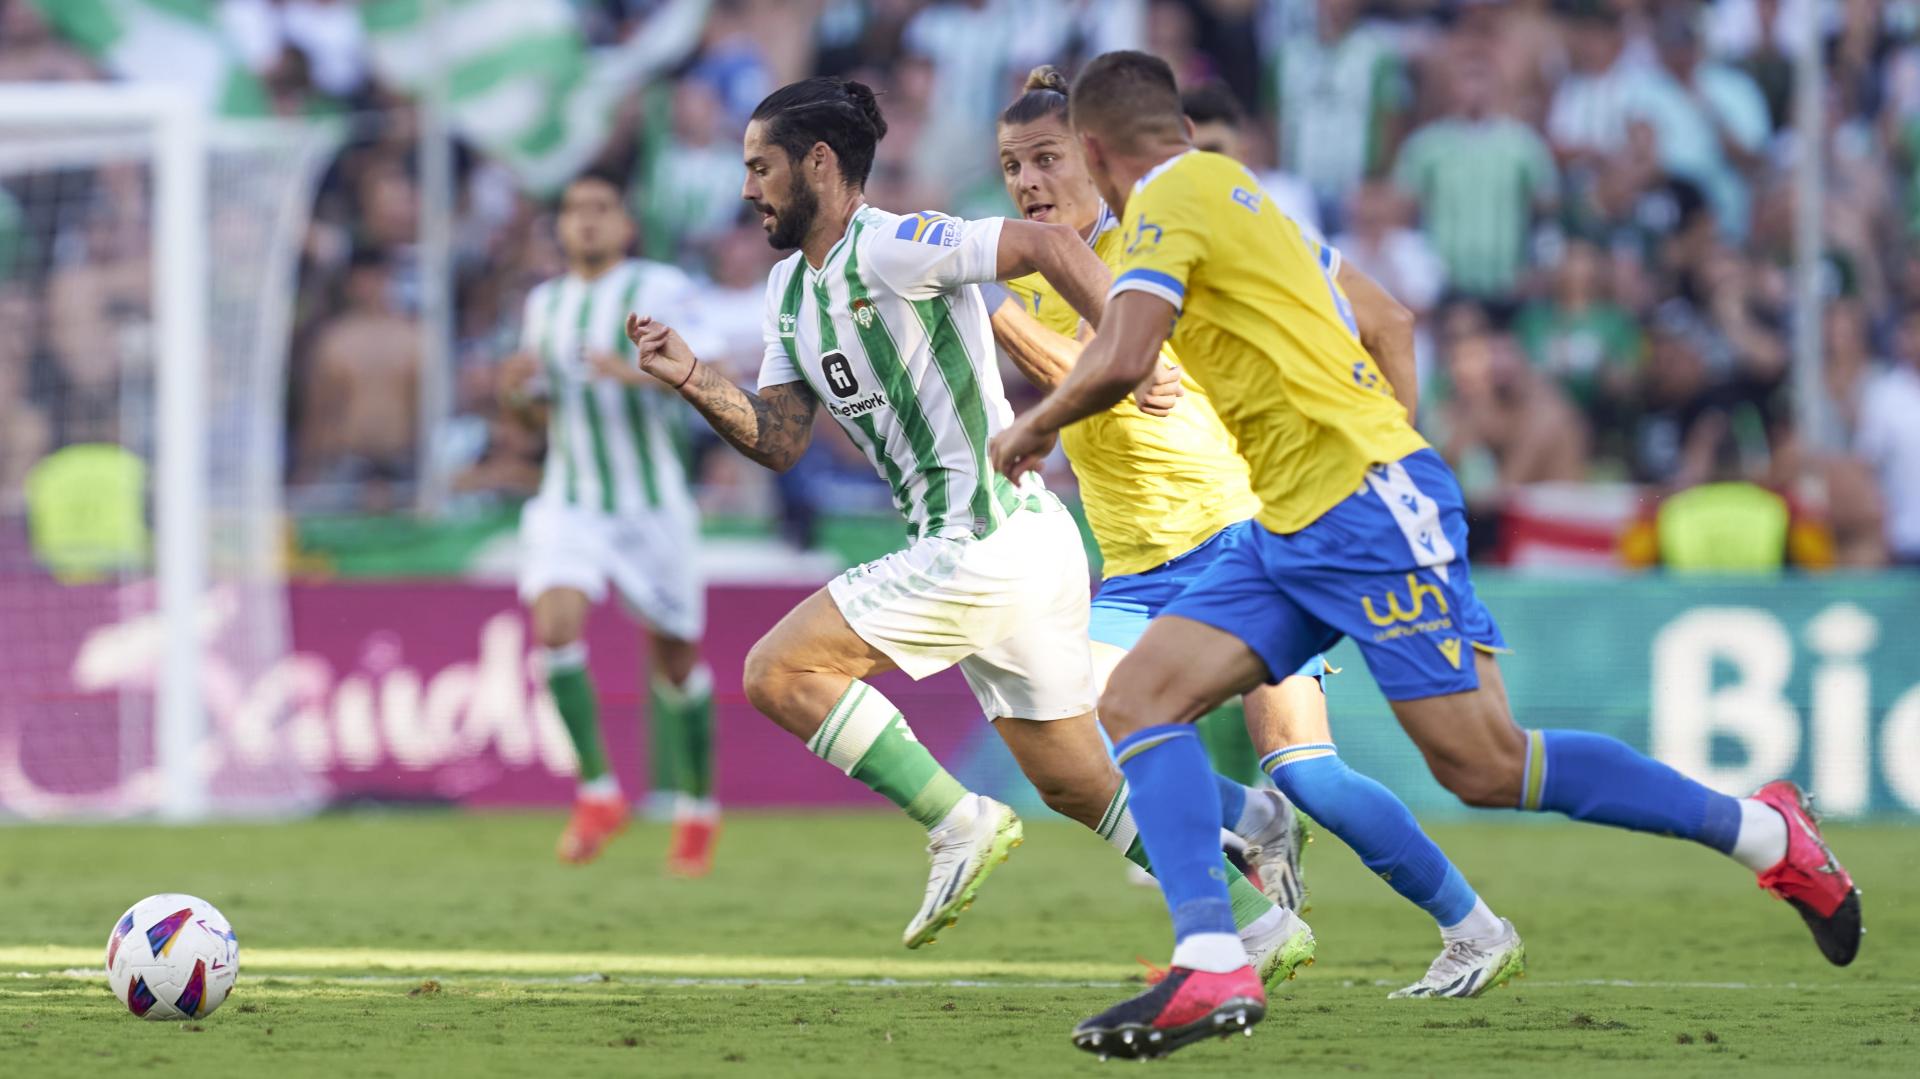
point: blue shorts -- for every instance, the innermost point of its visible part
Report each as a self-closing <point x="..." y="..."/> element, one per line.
<point x="1125" y="604"/>
<point x="1387" y="566"/>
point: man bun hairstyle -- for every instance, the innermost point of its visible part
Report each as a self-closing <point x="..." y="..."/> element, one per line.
<point x="1212" y="103"/>
<point x="1127" y="97"/>
<point x="1043" y="97"/>
<point x="839" y="112"/>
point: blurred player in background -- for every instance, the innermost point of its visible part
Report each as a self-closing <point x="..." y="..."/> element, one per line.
<point x="1363" y="534"/>
<point x="1167" y="497"/>
<point x="877" y="316"/>
<point x="613" y="508"/>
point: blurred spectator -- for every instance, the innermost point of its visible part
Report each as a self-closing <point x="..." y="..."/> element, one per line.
<point x="1710" y="119"/>
<point x="689" y="188"/>
<point x="1587" y="343"/>
<point x="30" y="53"/>
<point x="1588" y="116"/>
<point x="1480" y="179"/>
<point x="1498" y="422"/>
<point x="1220" y="126"/>
<point x="99" y="316"/>
<point x="1889" y="440"/>
<point x="326" y="35"/>
<point x="25" y="432"/>
<point x="1340" y="91"/>
<point x="360" y="400"/>
<point x="1380" y="242"/>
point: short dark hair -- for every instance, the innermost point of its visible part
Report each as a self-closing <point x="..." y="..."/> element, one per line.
<point x="599" y="174"/>
<point x="839" y="112"/>
<point x="1045" y="95"/>
<point x="1125" y="95"/>
<point x="1212" y="103"/>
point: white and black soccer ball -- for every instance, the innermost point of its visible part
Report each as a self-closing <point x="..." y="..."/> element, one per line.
<point x="172" y="956"/>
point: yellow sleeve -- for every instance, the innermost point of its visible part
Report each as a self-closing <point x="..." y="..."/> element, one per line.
<point x="1164" y="238"/>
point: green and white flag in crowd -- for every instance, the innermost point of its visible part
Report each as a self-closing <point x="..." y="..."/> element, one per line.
<point x="178" y="42"/>
<point x="520" y="81"/>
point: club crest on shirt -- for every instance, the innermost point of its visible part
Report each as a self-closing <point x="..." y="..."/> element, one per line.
<point x="862" y="309"/>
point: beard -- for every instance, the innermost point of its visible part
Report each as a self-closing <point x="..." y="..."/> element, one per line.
<point x="791" y="225"/>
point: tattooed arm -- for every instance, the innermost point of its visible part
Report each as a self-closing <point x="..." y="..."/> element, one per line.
<point x="772" y="427"/>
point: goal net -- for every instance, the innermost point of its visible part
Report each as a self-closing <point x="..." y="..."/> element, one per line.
<point x="147" y="265"/>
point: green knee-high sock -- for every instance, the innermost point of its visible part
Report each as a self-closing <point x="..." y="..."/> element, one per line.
<point x="682" y="719"/>
<point x="1116" y="827"/>
<point x="1224" y="732"/>
<point x="664" y="737"/>
<point x="866" y="737"/>
<point x="573" y="695"/>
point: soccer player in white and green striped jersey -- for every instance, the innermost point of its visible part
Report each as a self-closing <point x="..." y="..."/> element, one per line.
<point x="613" y="508"/>
<point x="878" y="316"/>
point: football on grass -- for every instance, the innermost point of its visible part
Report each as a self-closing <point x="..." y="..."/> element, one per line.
<point x="172" y="956"/>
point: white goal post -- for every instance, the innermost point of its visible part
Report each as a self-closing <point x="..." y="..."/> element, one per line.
<point x="196" y="385"/>
<point x="179" y="161"/>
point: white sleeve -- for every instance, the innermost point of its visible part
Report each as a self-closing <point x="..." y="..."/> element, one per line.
<point x="776" y="365"/>
<point x="532" y="329"/>
<point x="928" y="254"/>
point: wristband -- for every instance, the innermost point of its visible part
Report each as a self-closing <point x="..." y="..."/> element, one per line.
<point x="691" y="368"/>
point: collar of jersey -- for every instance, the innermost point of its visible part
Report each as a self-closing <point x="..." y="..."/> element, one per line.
<point x="1101" y="224"/>
<point x="837" y="244"/>
<point x="1154" y="173"/>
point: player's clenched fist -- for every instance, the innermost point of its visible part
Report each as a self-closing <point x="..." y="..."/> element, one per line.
<point x="662" y="354"/>
<point x="1020" y="449"/>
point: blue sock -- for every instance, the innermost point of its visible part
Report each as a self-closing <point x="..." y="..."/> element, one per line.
<point x="1378" y="826"/>
<point x="1592" y="777"/>
<point x="1176" y="806"/>
<point x="1233" y="801"/>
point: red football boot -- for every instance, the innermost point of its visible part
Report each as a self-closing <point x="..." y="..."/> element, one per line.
<point x="1181" y="1008"/>
<point x="690" y="852"/>
<point x="1811" y="878"/>
<point x="594" y="823"/>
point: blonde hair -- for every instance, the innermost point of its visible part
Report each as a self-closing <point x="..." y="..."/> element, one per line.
<point x="1044" y="96"/>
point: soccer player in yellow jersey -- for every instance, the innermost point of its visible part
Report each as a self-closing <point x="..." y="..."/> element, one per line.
<point x="1362" y="534"/>
<point x="1167" y="497"/>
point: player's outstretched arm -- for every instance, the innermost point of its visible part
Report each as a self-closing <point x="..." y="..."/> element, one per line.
<point x="1124" y="353"/>
<point x="1058" y="253"/>
<point x="1386" y="332"/>
<point x="772" y="427"/>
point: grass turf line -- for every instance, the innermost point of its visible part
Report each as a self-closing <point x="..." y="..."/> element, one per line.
<point x="452" y="894"/>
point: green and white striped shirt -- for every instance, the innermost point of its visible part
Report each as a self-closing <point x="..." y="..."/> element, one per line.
<point x="893" y="338"/>
<point x="1478" y="184"/>
<point x="608" y="445"/>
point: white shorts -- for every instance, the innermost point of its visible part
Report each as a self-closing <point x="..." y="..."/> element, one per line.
<point x="651" y="559"/>
<point x="1010" y="610"/>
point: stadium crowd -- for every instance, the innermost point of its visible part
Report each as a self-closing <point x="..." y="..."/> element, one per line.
<point x="1588" y="203"/>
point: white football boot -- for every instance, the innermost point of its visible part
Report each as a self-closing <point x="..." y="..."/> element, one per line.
<point x="1468" y="968"/>
<point x="963" y="854"/>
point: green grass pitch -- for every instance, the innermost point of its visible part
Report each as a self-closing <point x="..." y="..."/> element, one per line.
<point x="444" y="944"/>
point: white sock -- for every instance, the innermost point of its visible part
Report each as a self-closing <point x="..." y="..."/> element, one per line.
<point x="962" y="813"/>
<point x="1215" y="953"/>
<point x="1265" y="924"/>
<point x="1763" y="836"/>
<point x="604" y="787"/>
<point x="687" y="807"/>
<point x="1259" y="814"/>
<point x="1481" y="923"/>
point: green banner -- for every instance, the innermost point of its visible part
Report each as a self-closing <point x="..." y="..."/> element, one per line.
<point x="1733" y="682"/>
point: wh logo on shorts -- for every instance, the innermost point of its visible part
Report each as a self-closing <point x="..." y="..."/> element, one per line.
<point x="839" y="375"/>
<point x="1397" y="621"/>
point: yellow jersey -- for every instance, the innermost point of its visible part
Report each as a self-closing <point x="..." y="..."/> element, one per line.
<point x="1263" y="325"/>
<point x="1153" y="487"/>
